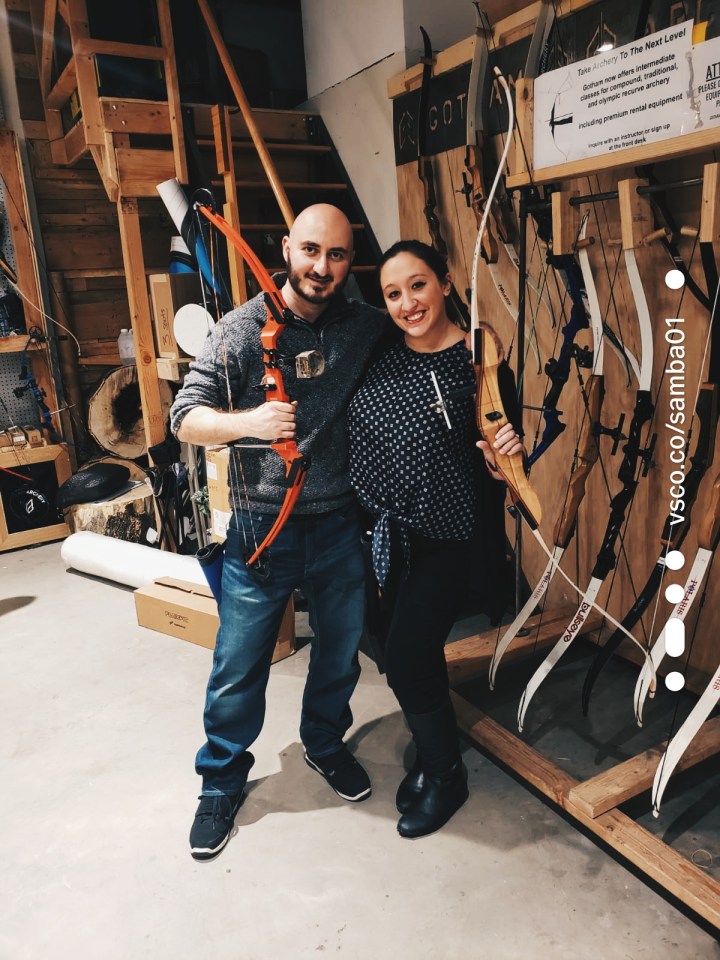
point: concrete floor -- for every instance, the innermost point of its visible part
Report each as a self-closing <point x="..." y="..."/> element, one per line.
<point x="101" y="720"/>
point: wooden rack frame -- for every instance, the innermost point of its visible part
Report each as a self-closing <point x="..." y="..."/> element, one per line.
<point x="593" y="803"/>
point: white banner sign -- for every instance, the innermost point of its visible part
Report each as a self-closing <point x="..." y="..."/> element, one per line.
<point x="706" y="84"/>
<point x="648" y="90"/>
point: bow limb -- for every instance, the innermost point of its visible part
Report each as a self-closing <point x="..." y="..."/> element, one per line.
<point x="586" y="457"/>
<point x="707" y="410"/>
<point x="698" y="571"/>
<point x="633" y="455"/>
<point x="490" y="412"/>
<point x="498" y="231"/>
<point x="273" y="383"/>
<point x="682" y="740"/>
<point x="708" y="537"/>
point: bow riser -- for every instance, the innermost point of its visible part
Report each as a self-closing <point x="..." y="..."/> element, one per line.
<point x="296" y="464"/>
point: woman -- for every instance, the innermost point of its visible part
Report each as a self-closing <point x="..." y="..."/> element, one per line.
<point x="413" y="465"/>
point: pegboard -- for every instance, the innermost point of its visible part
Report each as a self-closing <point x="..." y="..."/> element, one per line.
<point x="22" y="411"/>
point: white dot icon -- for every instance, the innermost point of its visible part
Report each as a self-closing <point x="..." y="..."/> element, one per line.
<point x="674" y="560"/>
<point x="674" y="681"/>
<point x="674" y="279"/>
<point x="674" y="593"/>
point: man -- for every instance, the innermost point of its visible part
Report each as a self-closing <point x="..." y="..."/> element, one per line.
<point x="319" y="546"/>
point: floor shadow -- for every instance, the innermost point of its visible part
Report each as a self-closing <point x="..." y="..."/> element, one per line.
<point x="9" y="604"/>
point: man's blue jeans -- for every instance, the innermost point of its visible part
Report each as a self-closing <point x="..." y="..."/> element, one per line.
<point x="321" y="553"/>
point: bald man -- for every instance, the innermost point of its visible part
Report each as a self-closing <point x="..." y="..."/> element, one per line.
<point x="318" y="548"/>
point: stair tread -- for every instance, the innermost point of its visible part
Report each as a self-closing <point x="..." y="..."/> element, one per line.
<point x="264" y="185"/>
<point x="298" y="146"/>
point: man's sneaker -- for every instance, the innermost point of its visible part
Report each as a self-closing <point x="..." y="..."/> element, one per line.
<point x="213" y="823"/>
<point x="344" y="774"/>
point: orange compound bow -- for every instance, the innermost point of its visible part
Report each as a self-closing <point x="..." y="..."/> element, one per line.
<point x="278" y="314"/>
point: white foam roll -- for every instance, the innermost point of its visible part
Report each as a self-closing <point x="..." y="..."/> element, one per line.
<point x="130" y="563"/>
<point x="173" y="196"/>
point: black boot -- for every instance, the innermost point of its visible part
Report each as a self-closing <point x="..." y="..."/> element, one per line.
<point x="444" y="788"/>
<point x="410" y="785"/>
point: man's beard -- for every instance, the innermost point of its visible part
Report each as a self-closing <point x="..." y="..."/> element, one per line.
<point x="295" y="279"/>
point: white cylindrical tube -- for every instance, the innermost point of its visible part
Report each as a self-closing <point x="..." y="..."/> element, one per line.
<point x="130" y="563"/>
<point x="173" y="196"/>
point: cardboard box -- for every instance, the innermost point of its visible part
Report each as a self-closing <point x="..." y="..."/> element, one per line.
<point x="189" y="611"/>
<point x="217" y="461"/>
<point x="169" y="292"/>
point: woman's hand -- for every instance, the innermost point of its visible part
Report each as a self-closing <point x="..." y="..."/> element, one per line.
<point x="507" y="443"/>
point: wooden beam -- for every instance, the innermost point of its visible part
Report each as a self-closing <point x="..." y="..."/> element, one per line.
<point x="47" y="43"/>
<point x="173" y="90"/>
<point x="131" y="239"/>
<point x="62" y="88"/>
<point x="135" y="116"/>
<point x="629" y="779"/>
<point x="140" y="171"/>
<point x="226" y="166"/>
<point x="709" y="211"/>
<point x="470" y="657"/>
<point x="658" y="861"/>
<point x="671" y="149"/>
<point x="86" y="46"/>
<point x="85" y="71"/>
<point x="246" y="110"/>
<point x="73" y="420"/>
<point x="636" y="216"/>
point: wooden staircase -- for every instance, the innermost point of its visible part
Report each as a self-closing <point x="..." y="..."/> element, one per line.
<point x="137" y="143"/>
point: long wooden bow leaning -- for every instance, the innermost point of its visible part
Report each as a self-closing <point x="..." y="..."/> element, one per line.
<point x="490" y="411"/>
<point x="499" y="227"/>
<point x="634" y="456"/>
<point x="278" y="314"/>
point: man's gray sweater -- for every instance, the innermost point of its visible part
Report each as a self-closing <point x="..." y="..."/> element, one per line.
<point x="345" y="333"/>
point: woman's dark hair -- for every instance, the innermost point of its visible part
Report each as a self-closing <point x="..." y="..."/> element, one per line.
<point x="435" y="261"/>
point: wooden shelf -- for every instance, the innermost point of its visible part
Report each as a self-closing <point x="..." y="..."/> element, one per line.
<point x="17" y="344"/>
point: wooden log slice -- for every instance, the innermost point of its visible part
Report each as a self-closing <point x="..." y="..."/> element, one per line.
<point x="115" y="414"/>
<point x="127" y="516"/>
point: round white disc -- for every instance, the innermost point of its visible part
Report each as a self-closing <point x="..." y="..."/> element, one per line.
<point x="191" y="326"/>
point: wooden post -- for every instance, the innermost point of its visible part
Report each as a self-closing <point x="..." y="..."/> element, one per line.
<point x="246" y="110"/>
<point x="73" y="420"/>
<point x="173" y="92"/>
<point x="636" y="218"/>
<point x="521" y="161"/>
<point x="92" y="119"/>
<point x="43" y="15"/>
<point x="565" y="222"/>
<point x="226" y="166"/>
<point x="709" y="215"/>
<point x="153" y="415"/>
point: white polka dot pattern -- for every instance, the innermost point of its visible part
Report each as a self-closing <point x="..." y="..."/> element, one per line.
<point x="406" y="465"/>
